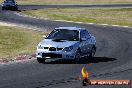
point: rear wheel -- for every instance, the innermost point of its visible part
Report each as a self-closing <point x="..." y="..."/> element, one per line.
<point x="92" y="53"/>
<point x="41" y="60"/>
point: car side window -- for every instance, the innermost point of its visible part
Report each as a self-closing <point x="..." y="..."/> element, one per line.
<point x="87" y="35"/>
<point x="83" y="34"/>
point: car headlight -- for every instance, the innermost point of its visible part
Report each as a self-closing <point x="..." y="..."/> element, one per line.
<point x="40" y="47"/>
<point x="68" y="49"/>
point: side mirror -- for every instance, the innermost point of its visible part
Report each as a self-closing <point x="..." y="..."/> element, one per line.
<point x="44" y="36"/>
<point x="83" y="39"/>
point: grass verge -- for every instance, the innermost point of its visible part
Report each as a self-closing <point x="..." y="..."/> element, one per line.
<point x="116" y="16"/>
<point x="15" y="41"/>
<point x="73" y="1"/>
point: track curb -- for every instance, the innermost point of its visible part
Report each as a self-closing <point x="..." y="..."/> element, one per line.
<point x="19" y="58"/>
<point x="34" y="17"/>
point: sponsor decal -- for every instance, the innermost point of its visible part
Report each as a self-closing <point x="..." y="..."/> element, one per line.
<point x="87" y="81"/>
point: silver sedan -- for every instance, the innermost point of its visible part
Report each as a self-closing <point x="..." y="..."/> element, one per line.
<point x="66" y="43"/>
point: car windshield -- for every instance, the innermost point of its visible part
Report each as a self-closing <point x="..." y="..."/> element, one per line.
<point x="64" y="34"/>
<point x="9" y="1"/>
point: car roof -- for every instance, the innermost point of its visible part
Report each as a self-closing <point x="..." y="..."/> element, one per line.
<point x="71" y="28"/>
<point x="9" y="0"/>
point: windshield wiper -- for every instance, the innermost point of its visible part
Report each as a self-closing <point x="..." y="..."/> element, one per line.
<point x="59" y="40"/>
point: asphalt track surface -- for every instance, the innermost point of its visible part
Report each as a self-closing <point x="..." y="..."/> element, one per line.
<point x="35" y="7"/>
<point x="113" y="59"/>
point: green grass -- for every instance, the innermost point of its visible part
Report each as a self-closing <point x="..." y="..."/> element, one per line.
<point x="118" y="16"/>
<point x="72" y="1"/>
<point x="15" y="41"/>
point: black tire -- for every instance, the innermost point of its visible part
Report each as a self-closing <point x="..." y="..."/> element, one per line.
<point x="92" y="53"/>
<point x="16" y="8"/>
<point x="41" y="60"/>
<point x="77" y="56"/>
<point x="3" y="8"/>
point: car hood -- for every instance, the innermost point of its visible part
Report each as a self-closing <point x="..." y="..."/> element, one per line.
<point x="61" y="44"/>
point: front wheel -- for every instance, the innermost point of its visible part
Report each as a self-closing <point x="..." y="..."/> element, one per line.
<point x="3" y="8"/>
<point x="41" y="60"/>
<point x="15" y="9"/>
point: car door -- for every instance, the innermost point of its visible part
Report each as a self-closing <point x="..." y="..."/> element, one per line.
<point x="83" y="42"/>
<point x="89" y="44"/>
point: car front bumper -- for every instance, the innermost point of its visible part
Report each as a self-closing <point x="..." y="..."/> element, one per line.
<point x="55" y="54"/>
<point x="9" y="7"/>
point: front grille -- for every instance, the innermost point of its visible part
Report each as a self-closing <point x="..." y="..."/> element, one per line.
<point x="46" y="47"/>
<point x="53" y="48"/>
<point x="59" y="48"/>
<point x="52" y="55"/>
